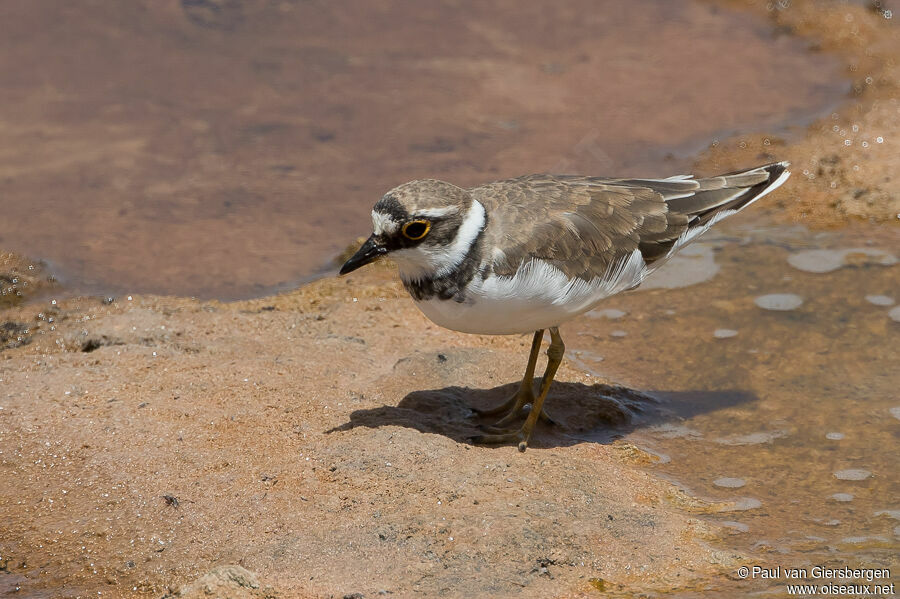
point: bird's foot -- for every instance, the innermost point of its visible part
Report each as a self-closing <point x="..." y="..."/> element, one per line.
<point x="503" y="408"/>
<point x="520" y="435"/>
<point x="503" y="424"/>
<point x="498" y="433"/>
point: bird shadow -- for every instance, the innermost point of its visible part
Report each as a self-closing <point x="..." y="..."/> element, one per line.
<point x="598" y="413"/>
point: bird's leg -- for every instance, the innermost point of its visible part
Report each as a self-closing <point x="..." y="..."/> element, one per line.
<point x="525" y="393"/>
<point x="554" y="357"/>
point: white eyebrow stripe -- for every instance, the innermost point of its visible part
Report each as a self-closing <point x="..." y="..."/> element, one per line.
<point x="383" y="223"/>
<point x="437" y="212"/>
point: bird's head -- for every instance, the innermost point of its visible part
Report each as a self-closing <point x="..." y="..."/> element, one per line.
<point x="426" y="226"/>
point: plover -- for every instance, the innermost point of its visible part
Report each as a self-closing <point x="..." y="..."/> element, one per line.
<point x="525" y="255"/>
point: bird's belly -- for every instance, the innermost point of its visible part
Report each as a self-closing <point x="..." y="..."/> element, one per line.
<point x="486" y="317"/>
<point x="489" y="309"/>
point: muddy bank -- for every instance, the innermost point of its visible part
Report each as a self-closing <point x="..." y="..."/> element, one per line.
<point x="317" y="439"/>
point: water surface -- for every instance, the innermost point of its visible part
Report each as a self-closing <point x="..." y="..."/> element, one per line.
<point x="788" y="428"/>
<point x="227" y="149"/>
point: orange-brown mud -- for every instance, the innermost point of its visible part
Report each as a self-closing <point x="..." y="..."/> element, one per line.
<point x="313" y="443"/>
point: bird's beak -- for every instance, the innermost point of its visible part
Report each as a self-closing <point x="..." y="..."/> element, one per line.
<point x="368" y="252"/>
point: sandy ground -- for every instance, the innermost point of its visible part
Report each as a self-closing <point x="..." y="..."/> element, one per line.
<point x="315" y="442"/>
<point x="317" y="439"/>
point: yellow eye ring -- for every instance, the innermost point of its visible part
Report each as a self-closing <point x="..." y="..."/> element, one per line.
<point x="415" y="230"/>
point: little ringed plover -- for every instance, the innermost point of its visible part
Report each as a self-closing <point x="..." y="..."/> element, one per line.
<point x="527" y="254"/>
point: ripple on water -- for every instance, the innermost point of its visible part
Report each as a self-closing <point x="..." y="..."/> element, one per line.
<point x="779" y="301"/>
<point x="752" y="438"/>
<point x="880" y="300"/>
<point x="729" y="483"/>
<point x="852" y="474"/>
<point x="842" y="497"/>
<point x="820" y="261"/>
<point x="724" y="333"/>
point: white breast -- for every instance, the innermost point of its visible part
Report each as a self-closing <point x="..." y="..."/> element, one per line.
<point x="538" y="296"/>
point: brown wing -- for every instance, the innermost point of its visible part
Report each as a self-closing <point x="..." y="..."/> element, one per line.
<point x="583" y="224"/>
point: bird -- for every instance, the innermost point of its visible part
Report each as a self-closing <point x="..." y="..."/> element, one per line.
<point x="526" y="254"/>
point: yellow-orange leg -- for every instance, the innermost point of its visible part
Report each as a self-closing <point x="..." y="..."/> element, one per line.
<point x="525" y="394"/>
<point x="554" y="358"/>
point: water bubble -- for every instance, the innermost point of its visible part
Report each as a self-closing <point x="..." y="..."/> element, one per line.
<point x="879" y="140"/>
<point x="843" y="497"/>
<point x="880" y="300"/>
<point x="610" y="313"/>
<point x="865" y="144"/>
<point x="834" y="436"/>
<point x="743" y="504"/>
<point x="724" y="333"/>
<point x="852" y="474"/>
<point x="869" y="80"/>
<point x="836" y="128"/>
<point x="738" y="526"/>
<point x="729" y="483"/>
<point x="855" y="128"/>
<point x="779" y="301"/>
<point x="847" y="142"/>
<point x="827" y="260"/>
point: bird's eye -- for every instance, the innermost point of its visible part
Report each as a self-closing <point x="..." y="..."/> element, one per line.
<point x="416" y="229"/>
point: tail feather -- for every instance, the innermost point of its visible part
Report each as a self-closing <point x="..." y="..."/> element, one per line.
<point x="697" y="204"/>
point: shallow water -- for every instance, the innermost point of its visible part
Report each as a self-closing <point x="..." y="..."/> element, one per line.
<point x="788" y="427"/>
<point x="228" y="149"/>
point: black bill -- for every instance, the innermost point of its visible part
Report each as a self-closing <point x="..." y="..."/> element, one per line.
<point x="368" y="252"/>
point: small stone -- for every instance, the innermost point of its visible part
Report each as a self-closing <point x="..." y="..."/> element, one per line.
<point x="724" y="333"/>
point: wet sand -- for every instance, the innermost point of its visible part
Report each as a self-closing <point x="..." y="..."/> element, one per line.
<point x="316" y="438"/>
<point x="230" y="149"/>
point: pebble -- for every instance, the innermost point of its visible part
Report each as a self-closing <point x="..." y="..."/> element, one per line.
<point x="842" y="497"/>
